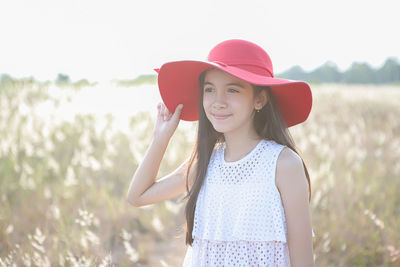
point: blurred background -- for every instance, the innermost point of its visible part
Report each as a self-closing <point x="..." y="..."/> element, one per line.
<point x="78" y="98"/>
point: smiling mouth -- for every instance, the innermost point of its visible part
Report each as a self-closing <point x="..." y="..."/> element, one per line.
<point x="221" y="117"/>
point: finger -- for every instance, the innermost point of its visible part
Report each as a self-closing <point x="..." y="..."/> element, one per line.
<point x="163" y="112"/>
<point x="178" y="111"/>
<point x="159" y="108"/>
<point x="167" y="111"/>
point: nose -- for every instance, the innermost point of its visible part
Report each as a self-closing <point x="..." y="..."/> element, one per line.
<point x="219" y="100"/>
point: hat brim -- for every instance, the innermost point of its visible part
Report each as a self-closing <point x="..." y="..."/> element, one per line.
<point x="178" y="83"/>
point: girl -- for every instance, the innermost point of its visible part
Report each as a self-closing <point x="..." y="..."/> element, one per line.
<point x="248" y="189"/>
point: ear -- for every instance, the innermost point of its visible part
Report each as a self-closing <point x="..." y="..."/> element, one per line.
<point x="261" y="100"/>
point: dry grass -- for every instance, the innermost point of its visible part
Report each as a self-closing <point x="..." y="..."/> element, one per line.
<point x="63" y="184"/>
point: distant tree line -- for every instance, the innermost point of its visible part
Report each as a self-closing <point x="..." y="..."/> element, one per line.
<point x="61" y="80"/>
<point x="357" y="73"/>
<point x="327" y="73"/>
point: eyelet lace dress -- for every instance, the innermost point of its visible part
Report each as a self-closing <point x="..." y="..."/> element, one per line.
<point x="239" y="217"/>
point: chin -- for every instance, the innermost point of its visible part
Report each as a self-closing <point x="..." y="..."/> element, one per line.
<point x="221" y="129"/>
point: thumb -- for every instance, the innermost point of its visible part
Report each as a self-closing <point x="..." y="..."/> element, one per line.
<point x="177" y="111"/>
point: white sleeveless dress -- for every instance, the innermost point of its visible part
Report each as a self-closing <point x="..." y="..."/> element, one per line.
<point x="239" y="217"/>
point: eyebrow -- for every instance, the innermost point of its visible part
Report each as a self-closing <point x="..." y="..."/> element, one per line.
<point x="228" y="84"/>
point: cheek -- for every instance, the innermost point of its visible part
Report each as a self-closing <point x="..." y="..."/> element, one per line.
<point x="206" y="103"/>
<point x="239" y="102"/>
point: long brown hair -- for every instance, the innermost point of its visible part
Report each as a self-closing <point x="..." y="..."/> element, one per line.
<point x="268" y="124"/>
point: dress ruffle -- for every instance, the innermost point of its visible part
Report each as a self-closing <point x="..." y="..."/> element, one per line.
<point x="236" y="253"/>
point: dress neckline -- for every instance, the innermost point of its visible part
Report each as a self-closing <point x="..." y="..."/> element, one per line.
<point x="248" y="155"/>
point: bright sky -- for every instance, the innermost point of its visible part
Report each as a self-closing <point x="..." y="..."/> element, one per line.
<point x="102" y="40"/>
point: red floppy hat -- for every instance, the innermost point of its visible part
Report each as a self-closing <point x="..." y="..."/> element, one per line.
<point x="178" y="80"/>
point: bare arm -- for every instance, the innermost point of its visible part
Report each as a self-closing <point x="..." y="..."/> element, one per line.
<point x="169" y="186"/>
<point x="145" y="175"/>
<point x="144" y="189"/>
<point x="292" y="183"/>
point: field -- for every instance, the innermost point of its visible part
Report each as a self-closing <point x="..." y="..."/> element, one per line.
<point x="64" y="174"/>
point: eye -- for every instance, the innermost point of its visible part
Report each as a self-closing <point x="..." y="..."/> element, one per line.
<point x="208" y="89"/>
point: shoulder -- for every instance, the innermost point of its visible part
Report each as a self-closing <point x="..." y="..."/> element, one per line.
<point x="287" y="157"/>
<point x="289" y="171"/>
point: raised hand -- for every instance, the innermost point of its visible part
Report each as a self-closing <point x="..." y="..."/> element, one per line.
<point x="166" y="122"/>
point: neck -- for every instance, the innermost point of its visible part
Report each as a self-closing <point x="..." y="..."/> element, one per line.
<point x="239" y="146"/>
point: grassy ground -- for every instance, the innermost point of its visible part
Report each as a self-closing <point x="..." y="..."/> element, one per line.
<point x="63" y="183"/>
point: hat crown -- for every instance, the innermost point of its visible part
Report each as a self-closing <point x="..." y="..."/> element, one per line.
<point x="243" y="54"/>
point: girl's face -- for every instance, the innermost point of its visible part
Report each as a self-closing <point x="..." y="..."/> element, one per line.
<point x="229" y="102"/>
